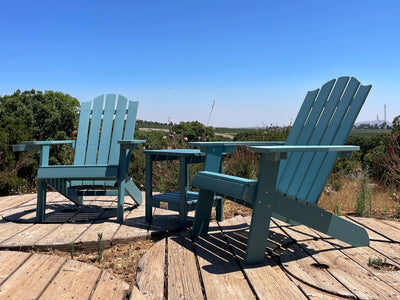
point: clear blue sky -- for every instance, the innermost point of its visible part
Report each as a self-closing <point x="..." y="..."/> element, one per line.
<point x="256" y="59"/>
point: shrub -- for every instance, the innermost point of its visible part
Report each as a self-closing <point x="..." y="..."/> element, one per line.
<point x="242" y="163"/>
<point x="385" y="163"/>
<point x="33" y="115"/>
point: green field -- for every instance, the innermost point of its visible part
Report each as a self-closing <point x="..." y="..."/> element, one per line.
<point x="231" y="132"/>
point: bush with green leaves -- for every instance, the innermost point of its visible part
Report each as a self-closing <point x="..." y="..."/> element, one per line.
<point x="272" y="133"/>
<point x="192" y="131"/>
<point x="246" y="163"/>
<point x="385" y="161"/>
<point x="33" y="115"/>
<point x="166" y="173"/>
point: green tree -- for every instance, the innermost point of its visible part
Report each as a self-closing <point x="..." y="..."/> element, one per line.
<point x="396" y="126"/>
<point x="33" y="115"/>
<point x="193" y="131"/>
<point x="268" y="134"/>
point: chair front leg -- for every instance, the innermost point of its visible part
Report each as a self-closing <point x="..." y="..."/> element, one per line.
<point x="121" y="200"/>
<point x="122" y="172"/>
<point x="259" y="229"/>
<point x="41" y="200"/>
<point x="203" y="213"/>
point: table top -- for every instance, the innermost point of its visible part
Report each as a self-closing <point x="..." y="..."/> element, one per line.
<point x="175" y="152"/>
<point x="236" y="143"/>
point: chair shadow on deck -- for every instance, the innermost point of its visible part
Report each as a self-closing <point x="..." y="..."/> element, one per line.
<point x="68" y="213"/>
<point x="224" y="252"/>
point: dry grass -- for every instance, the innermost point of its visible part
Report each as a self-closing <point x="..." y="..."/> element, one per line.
<point x="383" y="206"/>
<point x="382" y="203"/>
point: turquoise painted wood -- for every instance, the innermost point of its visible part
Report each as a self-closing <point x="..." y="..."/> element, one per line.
<point x="184" y="201"/>
<point x="102" y="153"/>
<point x="292" y="176"/>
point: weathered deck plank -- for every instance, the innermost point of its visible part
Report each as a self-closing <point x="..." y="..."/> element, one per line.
<point x="136" y="294"/>
<point x="362" y="255"/>
<point x="300" y="265"/>
<point x="222" y="276"/>
<point x="75" y="280"/>
<point x="110" y="287"/>
<point x="381" y="228"/>
<point x="28" y="237"/>
<point x="183" y="277"/>
<point x="11" y="261"/>
<point x="151" y="272"/>
<point x="7" y="203"/>
<point x="31" y="279"/>
<point x="134" y="226"/>
<point x="267" y="279"/>
<point x="8" y="230"/>
<point x="163" y="220"/>
<point x="311" y="292"/>
<point x="356" y="278"/>
<point x="60" y="236"/>
<point x="88" y="239"/>
<point x="391" y="250"/>
<point x="36" y="276"/>
<point x="297" y="233"/>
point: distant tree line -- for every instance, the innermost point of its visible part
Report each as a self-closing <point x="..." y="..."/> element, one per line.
<point x="152" y="124"/>
<point x="384" y="125"/>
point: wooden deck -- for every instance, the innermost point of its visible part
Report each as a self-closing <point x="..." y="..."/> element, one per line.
<point x="300" y="263"/>
<point x="66" y="224"/>
<point x="35" y="276"/>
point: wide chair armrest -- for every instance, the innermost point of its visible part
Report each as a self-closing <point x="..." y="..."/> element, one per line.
<point x="38" y="145"/>
<point x="43" y="147"/>
<point x="344" y="150"/>
<point x="226" y="185"/>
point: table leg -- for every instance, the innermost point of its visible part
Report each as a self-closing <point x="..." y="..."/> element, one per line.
<point x="183" y="189"/>
<point x="149" y="187"/>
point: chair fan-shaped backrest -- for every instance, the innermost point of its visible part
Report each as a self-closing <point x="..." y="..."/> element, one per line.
<point x="102" y="123"/>
<point x="325" y="118"/>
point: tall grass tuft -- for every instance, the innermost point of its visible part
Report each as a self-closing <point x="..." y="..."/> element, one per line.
<point x="364" y="197"/>
<point x="100" y="247"/>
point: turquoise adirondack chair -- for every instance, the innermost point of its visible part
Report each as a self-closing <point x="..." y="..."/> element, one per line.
<point x="102" y="153"/>
<point x="292" y="176"/>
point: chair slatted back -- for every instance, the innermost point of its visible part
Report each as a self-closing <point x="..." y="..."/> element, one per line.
<point x="325" y="118"/>
<point x="102" y="123"/>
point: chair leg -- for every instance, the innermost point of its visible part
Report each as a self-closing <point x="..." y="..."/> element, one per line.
<point x="203" y="213"/>
<point x="219" y="208"/>
<point x="133" y="191"/>
<point x="149" y="211"/>
<point x="121" y="200"/>
<point x="72" y="194"/>
<point x="321" y="220"/>
<point x="257" y="241"/>
<point x="41" y="200"/>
